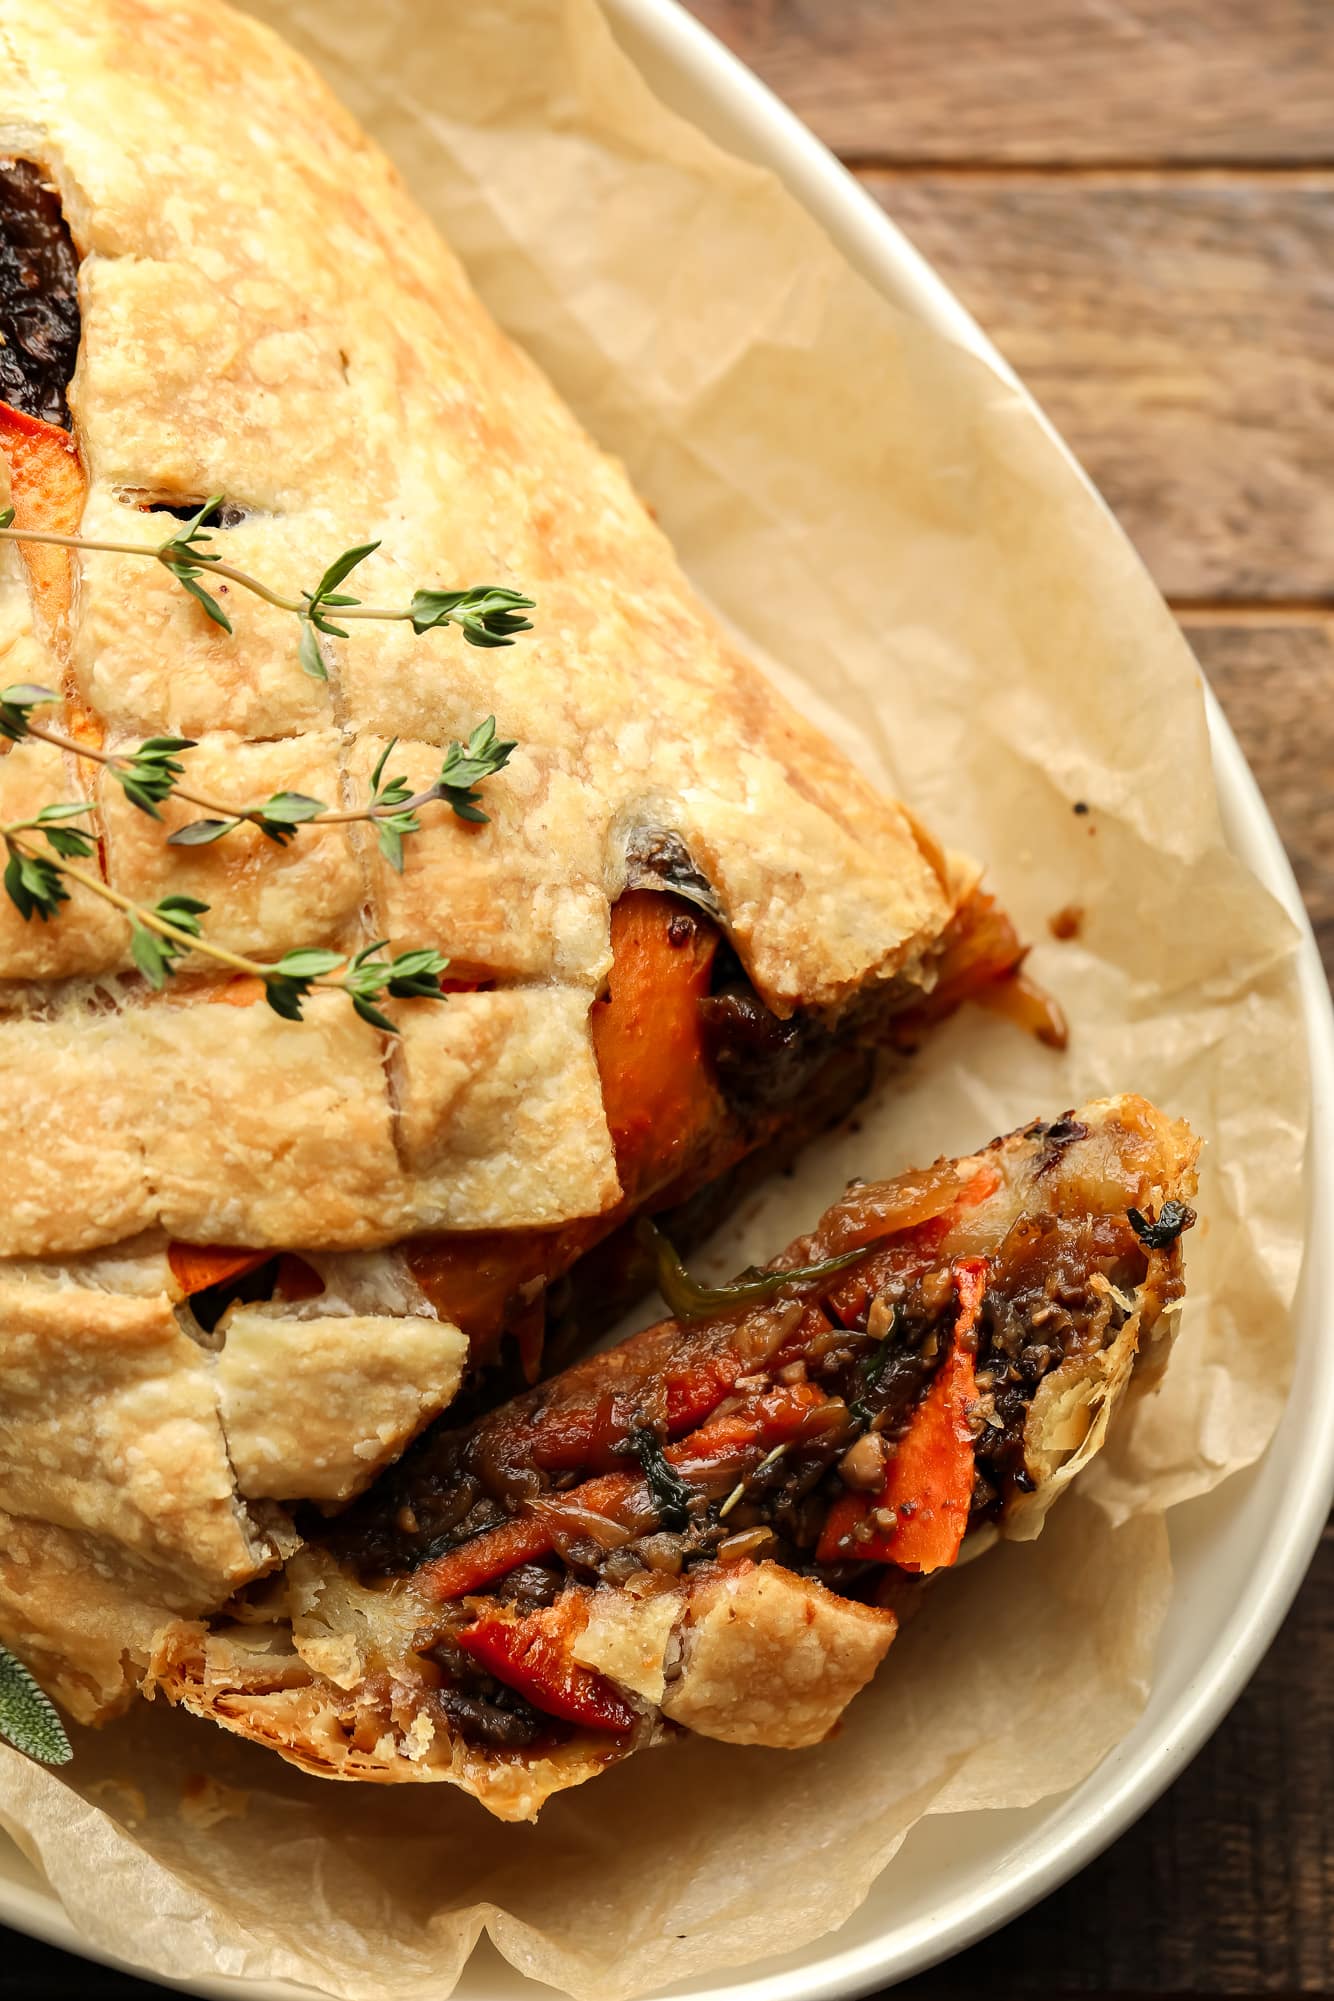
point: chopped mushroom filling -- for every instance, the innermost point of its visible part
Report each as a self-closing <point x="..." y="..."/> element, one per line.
<point x="854" y="1430"/>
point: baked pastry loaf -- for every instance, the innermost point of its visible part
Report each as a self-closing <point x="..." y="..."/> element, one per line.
<point x="212" y="284"/>
<point x="717" y="1526"/>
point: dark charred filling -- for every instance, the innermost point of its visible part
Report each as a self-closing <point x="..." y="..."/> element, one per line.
<point x="209" y="1305"/>
<point x="611" y="1278"/>
<point x="228" y="515"/>
<point x="1051" y="1295"/>
<point x="39" y="295"/>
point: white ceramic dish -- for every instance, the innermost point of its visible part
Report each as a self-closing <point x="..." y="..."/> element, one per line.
<point x="960" y="1876"/>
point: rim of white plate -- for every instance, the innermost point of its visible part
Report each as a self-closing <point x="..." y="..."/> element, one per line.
<point x="693" y="72"/>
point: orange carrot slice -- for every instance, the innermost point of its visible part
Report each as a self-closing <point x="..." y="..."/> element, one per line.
<point x="929" y="1481"/>
<point x="47" y="490"/>
<point x="196" y="1267"/>
<point x="659" y="1098"/>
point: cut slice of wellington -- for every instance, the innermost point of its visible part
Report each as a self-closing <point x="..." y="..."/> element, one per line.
<point x="675" y="945"/>
<point x="717" y="1526"/>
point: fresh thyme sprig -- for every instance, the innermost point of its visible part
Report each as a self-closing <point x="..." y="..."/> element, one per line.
<point x="162" y="933"/>
<point x="29" y="1719"/>
<point x="151" y="773"/>
<point x="486" y="614"/>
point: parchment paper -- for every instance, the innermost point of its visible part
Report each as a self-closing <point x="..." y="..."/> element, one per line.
<point x="896" y="535"/>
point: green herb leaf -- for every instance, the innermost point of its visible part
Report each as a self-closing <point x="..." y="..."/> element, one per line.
<point x="378" y="772"/>
<point x="285" y="996"/>
<point x="309" y="962"/>
<point x="488" y="615"/>
<point x="148" y="775"/>
<point x="287" y="984"/>
<point x="372" y="1014"/>
<point x="33" y="885"/>
<point x="152" y="954"/>
<point x="156" y="956"/>
<point x="687" y="1299"/>
<point x="6" y="517"/>
<point x="670" y="1494"/>
<point x="283" y="812"/>
<point x="182" y="911"/>
<point x="416" y="975"/>
<point x="29" y="1720"/>
<point x="308" y="653"/>
<point x="189" y="579"/>
<point x="71" y="842"/>
<point x="1159" y="1235"/>
<point x="465" y="767"/>
<point x="341" y="567"/>
<point x="17" y="704"/>
<point x="199" y="833"/>
<point x="389" y="840"/>
<point x="63" y="809"/>
<point x="193" y="531"/>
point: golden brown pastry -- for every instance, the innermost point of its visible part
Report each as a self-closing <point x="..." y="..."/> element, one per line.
<point x="717" y="1526"/>
<point x="245" y="1259"/>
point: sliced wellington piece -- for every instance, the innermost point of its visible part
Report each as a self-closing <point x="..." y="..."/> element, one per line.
<point x="717" y="1525"/>
<point x="674" y="943"/>
<point x="161" y="347"/>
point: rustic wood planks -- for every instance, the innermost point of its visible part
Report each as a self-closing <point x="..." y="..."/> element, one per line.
<point x="1064" y="80"/>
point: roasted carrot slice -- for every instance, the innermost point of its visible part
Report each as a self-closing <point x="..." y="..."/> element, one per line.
<point x="196" y="1267"/>
<point x="533" y="1656"/>
<point x="982" y="961"/>
<point x="657" y="1087"/>
<point x="658" y="1095"/>
<point x="929" y="1481"/>
<point x="763" y="1421"/>
<point x="47" y="489"/>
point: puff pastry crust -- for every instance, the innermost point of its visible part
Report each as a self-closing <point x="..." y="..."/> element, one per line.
<point x="265" y="314"/>
<point x="356" y="1663"/>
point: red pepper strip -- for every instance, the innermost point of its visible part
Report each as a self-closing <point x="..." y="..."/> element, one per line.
<point x="195" y="1267"/>
<point x="495" y="1552"/>
<point x="929" y="1481"/>
<point x="768" y="1419"/>
<point x="775" y="1415"/>
<point x="532" y="1655"/>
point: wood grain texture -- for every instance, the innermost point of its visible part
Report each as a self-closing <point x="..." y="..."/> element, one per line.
<point x="1046" y="80"/>
<point x="1226" y="1886"/>
<point x="1275" y="680"/>
<point x="1180" y="333"/>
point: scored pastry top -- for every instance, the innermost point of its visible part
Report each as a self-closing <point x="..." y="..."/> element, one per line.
<point x="265" y="314"/>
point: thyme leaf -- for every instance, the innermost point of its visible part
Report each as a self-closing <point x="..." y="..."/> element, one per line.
<point x="465" y="767"/>
<point x="1162" y="1233"/>
<point x="184" y="555"/>
<point x="670" y="1494"/>
<point x="487" y="615"/>
<point x="17" y="704"/>
<point x="148" y="775"/>
<point x="871" y="1369"/>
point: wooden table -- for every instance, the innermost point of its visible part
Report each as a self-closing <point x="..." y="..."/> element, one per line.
<point x="1136" y="199"/>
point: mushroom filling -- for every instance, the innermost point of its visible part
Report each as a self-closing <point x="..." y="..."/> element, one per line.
<point x="854" y="1432"/>
<point x="39" y="295"/>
